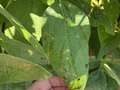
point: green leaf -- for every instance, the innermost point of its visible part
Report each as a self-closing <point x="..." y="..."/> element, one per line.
<point x="103" y="35"/>
<point x="35" y="28"/>
<point x="30" y="38"/>
<point x="97" y="81"/>
<point x="12" y="33"/>
<point x="4" y="2"/>
<point x="50" y="2"/>
<point x="114" y="62"/>
<point x="65" y="39"/>
<point x="14" y="69"/>
<point x="111" y="73"/>
<point x="29" y="13"/>
<point x="93" y="64"/>
<point x="116" y="53"/>
<point x="22" y="50"/>
<point x="108" y="44"/>
<point x="111" y="84"/>
<point x="106" y="17"/>
<point x="78" y="83"/>
<point x="111" y="10"/>
<point x="16" y="86"/>
<point x="82" y="4"/>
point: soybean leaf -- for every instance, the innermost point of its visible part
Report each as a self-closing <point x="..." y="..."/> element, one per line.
<point x="14" y="70"/>
<point x="22" y="50"/>
<point x="30" y="38"/>
<point x="84" y="5"/>
<point x="4" y="2"/>
<point x="108" y="44"/>
<point x="65" y="39"/>
<point x="48" y="2"/>
<point x="116" y="53"/>
<point x="111" y="11"/>
<point x="114" y="63"/>
<point x="115" y="66"/>
<point x="94" y="64"/>
<point x="111" y="73"/>
<point x="106" y="17"/>
<point x="97" y="81"/>
<point x="111" y="84"/>
<point x="16" y="86"/>
<point x="29" y="13"/>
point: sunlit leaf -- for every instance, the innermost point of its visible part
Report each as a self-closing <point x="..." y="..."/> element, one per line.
<point x="50" y="2"/>
<point x="29" y="13"/>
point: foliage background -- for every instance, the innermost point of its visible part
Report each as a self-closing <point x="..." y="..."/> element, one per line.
<point x="78" y="40"/>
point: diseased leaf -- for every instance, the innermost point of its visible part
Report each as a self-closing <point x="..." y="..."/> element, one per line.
<point x="14" y="69"/>
<point x="65" y="39"/>
<point x="22" y="50"/>
<point x="30" y="38"/>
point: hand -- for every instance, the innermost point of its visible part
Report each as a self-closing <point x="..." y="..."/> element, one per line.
<point x="54" y="83"/>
